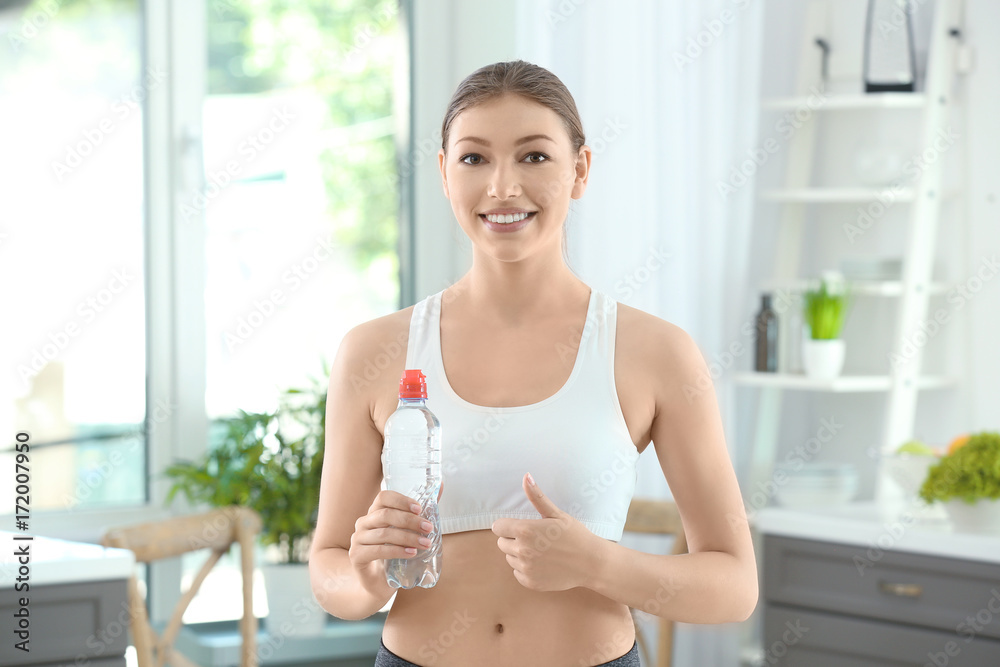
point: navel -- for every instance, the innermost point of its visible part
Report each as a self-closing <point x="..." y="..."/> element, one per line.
<point x="500" y="628"/>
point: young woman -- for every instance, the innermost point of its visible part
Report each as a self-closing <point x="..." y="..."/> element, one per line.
<point x="547" y="391"/>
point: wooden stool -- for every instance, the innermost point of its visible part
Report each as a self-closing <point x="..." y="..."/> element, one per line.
<point x="156" y="540"/>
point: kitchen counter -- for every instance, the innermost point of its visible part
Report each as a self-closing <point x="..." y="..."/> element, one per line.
<point x="55" y="561"/>
<point x="899" y="527"/>
<point x="67" y="604"/>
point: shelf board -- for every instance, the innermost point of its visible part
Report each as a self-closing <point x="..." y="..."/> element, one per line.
<point x="888" y="288"/>
<point x="834" y="195"/>
<point x="844" y="383"/>
<point x="835" y="102"/>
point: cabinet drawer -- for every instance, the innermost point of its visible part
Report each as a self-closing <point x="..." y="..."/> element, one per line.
<point x="72" y="623"/>
<point x="804" y="638"/>
<point x="957" y="596"/>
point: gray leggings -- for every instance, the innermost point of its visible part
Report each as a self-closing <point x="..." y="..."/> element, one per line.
<point x="386" y="658"/>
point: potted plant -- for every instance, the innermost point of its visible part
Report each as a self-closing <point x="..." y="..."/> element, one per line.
<point x="824" y="310"/>
<point x="967" y="482"/>
<point x="271" y="462"/>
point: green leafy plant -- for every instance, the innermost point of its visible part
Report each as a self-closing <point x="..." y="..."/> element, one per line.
<point x="969" y="473"/>
<point x="271" y="462"/>
<point x="825" y="308"/>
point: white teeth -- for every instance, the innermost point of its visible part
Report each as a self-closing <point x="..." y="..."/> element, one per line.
<point x="507" y="219"/>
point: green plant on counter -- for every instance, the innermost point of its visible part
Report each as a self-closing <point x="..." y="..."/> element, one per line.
<point x="270" y="462"/>
<point x="970" y="473"/>
<point x="825" y="309"/>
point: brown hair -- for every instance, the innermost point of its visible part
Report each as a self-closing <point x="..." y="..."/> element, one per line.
<point x="517" y="77"/>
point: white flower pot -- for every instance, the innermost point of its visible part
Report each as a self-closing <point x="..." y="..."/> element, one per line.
<point x="981" y="516"/>
<point x="823" y="359"/>
<point x="292" y="609"/>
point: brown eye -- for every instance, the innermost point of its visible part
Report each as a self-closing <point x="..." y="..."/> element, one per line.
<point x="541" y="155"/>
<point x="464" y="159"/>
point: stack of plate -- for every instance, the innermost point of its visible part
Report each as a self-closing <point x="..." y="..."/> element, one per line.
<point x="883" y="268"/>
<point x="802" y="484"/>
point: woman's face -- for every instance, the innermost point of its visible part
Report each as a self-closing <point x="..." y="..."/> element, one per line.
<point x="507" y="159"/>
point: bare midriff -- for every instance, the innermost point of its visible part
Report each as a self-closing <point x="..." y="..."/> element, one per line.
<point x="480" y="614"/>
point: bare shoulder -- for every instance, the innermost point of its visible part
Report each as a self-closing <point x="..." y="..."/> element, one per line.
<point x="386" y="335"/>
<point x="370" y="362"/>
<point x="661" y="354"/>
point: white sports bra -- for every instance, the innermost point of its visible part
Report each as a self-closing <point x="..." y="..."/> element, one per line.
<point x="574" y="443"/>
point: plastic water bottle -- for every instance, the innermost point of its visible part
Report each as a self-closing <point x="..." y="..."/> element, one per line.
<point x="411" y="465"/>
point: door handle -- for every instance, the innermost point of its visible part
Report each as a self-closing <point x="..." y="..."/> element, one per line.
<point x="901" y="590"/>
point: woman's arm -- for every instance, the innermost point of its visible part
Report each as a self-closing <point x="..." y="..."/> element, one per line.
<point x="716" y="582"/>
<point x="352" y="477"/>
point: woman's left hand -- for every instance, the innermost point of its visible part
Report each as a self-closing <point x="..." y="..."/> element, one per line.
<point x="554" y="553"/>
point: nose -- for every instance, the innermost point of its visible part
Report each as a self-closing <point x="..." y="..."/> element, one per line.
<point x="503" y="183"/>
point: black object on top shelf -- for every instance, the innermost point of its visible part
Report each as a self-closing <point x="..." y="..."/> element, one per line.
<point x="889" y="60"/>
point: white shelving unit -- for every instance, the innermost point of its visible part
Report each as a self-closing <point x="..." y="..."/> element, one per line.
<point x="923" y="196"/>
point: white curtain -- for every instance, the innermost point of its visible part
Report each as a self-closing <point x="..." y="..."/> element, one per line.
<point x="668" y="93"/>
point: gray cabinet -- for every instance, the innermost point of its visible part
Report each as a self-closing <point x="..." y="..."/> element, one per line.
<point x="835" y="605"/>
<point x="69" y="624"/>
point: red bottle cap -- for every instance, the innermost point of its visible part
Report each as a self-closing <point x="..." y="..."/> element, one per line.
<point x="413" y="384"/>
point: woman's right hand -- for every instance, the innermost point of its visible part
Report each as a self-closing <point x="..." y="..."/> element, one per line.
<point x="390" y="527"/>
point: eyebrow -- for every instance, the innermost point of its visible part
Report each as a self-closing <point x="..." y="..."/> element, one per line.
<point x="522" y="140"/>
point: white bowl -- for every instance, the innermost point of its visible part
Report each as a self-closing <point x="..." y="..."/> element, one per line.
<point x="908" y="471"/>
<point x="813" y="497"/>
<point x="816" y="484"/>
<point x="981" y="516"/>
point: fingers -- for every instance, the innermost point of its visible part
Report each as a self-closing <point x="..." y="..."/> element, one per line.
<point x="391" y="529"/>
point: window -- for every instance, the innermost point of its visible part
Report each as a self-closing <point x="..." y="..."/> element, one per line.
<point x="72" y="87"/>
<point x="300" y="206"/>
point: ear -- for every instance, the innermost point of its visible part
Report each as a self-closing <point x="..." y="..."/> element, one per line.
<point x="444" y="176"/>
<point x="582" y="171"/>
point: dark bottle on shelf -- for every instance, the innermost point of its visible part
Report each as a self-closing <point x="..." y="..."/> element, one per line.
<point x="766" y="341"/>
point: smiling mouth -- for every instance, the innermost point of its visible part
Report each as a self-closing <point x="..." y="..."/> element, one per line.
<point x="507" y="219"/>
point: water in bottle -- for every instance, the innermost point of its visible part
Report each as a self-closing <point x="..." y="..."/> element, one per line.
<point x="411" y="465"/>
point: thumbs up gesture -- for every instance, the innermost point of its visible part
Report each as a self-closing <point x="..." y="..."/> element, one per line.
<point x="554" y="553"/>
